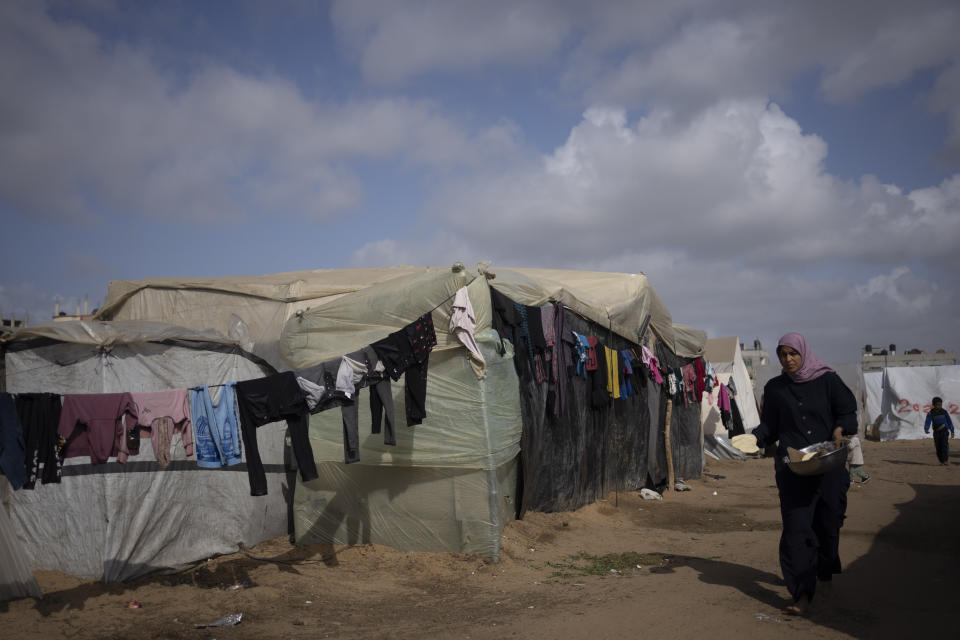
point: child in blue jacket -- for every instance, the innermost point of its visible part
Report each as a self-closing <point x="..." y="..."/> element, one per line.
<point x="939" y="419"/>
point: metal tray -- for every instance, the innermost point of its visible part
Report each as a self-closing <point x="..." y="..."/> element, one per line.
<point x="819" y="465"/>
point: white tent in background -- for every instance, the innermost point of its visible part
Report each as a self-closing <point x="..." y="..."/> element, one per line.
<point x="897" y="399"/>
<point x="727" y="360"/>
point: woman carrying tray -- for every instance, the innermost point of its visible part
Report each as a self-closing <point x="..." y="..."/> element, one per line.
<point x="808" y="403"/>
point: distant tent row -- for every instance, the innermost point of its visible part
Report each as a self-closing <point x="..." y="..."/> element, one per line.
<point x="489" y="450"/>
<point x="893" y="401"/>
<point x="726" y="357"/>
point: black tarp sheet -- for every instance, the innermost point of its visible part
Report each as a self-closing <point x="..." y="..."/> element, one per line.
<point x="572" y="459"/>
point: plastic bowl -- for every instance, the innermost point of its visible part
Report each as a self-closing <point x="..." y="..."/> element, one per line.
<point x="819" y="465"/>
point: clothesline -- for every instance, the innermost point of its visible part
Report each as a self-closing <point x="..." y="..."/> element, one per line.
<point x="283" y="396"/>
<point x="60" y="426"/>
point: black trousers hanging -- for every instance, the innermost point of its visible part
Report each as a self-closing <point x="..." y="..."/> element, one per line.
<point x="39" y="415"/>
<point x="265" y="400"/>
<point x="381" y="399"/>
<point x="812" y="509"/>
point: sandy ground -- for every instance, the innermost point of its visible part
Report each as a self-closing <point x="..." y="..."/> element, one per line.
<point x="698" y="564"/>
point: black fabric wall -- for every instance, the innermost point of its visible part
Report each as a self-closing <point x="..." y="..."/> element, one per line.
<point x="685" y="425"/>
<point x="572" y="459"/>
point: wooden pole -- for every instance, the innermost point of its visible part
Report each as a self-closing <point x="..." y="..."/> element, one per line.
<point x="666" y="444"/>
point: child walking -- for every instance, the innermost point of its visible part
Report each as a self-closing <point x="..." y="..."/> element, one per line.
<point x="939" y="419"/>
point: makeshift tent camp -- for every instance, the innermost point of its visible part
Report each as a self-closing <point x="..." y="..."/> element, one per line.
<point x="897" y="399"/>
<point x="451" y="482"/>
<point x="119" y="521"/>
<point x="727" y="360"/>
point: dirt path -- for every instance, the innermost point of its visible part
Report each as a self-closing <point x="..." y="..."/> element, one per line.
<point x="698" y="564"/>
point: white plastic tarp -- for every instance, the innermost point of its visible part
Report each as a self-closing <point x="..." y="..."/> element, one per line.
<point x="447" y="484"/>
<point x="119" y="521"/>
<point x="16" y="576"/>
<point x="871" y="411"/>
<point x="899" y="406"/>
<point x="725" y="357"/>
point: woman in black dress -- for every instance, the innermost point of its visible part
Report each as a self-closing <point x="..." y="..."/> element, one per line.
<point x="808" y="403"/>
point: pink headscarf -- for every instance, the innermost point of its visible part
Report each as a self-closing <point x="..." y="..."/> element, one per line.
<point x="812" y="366"/>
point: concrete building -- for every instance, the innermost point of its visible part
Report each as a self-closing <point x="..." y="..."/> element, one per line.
<point x="877" y="359"/>
<point x="12" y="324"/>
<point x="754" y="359"/>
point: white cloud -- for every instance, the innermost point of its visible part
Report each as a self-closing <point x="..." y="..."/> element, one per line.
<point x="686" y="54"/>
<point x="906" y="293"/>
<point x="741" y="181"/>
<point x="893" y="50"/>
<point x="732" y="216"/>
<point x="442" y="248"/>
<point x="398" y="40"/>
<point x="88" y="127"/>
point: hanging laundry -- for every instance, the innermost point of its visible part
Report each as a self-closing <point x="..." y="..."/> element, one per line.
<point x="39" y="415"/>
<point x="265" y="400"/>
<point x="319" y="386"/>
<point x="160" y="416"/>
<point x="97" y="425"/>
<point x="582" y="347"/>
<point x="599" y="396"/>
<point x="673" y="383"/>
<point x="548" y="323"/>
<point x="12" y="448"/>
<point x="593" y="361"/>
<point x="312" y="393"/>
<point x="423" y="338"/>
<point x="216" y="427"/>
<point x="710" y="381"/>
<point x="406" y="353"/>
<point x="613" y="372"/>
<point x="723" y="403"/>
<point x="689" y="384"/>
<point x="736" y="420"/>
<point x="349" y="374"/>
<point x="731" y="387"/>
<point x="527" y="343"/>
<point x="372" y="374"/>
<point x="349" y="413"/>
<point x="506" y="320"/>
<point x="562" y="361"/>
<point x="463" y="324"/>
<point x="626" y="388"/>
<point x="652" y="364"/>
<point x="700" y="369"/>
<point x="381" y="398"/>
<point x="535" y="324"/>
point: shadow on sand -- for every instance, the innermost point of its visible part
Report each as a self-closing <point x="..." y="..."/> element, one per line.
<point x="903" y="587"/>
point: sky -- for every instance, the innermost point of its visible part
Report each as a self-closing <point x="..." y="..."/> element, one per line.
<point x="770" y="166"/>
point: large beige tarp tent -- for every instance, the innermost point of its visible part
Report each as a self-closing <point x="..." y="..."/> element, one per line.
<point x="256" y="308"/>
<point x="449" y="483"/>
<point x="249" y="309"/>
